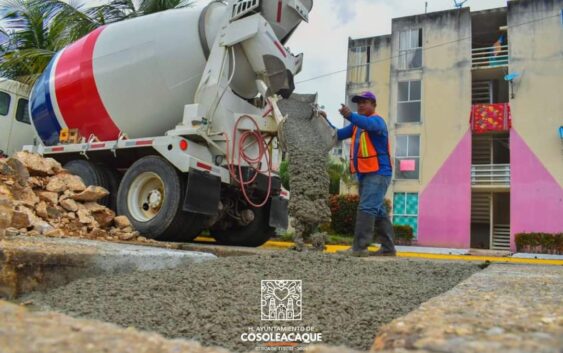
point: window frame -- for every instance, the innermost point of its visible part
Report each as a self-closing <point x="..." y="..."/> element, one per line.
<point x="399" y="158"/>
<point x="403" y="52"/>
<point x="352" y="66"/>
<point x="18" y="111"/>
<point x="399" y="102"/>
<point x="9" y="103"/>
<point x="405" y="214"/>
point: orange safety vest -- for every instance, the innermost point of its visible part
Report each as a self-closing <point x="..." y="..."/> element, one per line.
<point x="368" y="159"/>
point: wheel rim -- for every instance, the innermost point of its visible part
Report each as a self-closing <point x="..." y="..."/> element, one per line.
<point x="145" y="197"/>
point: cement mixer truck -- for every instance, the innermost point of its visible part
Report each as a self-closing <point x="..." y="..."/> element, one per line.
<point x="175" y="114"/>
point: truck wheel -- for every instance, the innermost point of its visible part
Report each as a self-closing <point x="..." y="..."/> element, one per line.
<point x="254" y="234"/>
<point x="150" y="195"/>
<point x="111" y="179"/>
<point x="98" y="175"/>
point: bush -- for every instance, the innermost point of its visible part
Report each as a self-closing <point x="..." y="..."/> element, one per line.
<point x="343" y="210"/>
<point x="284" y="174"/>
<point x="540" y="243"/>
<point x="404" y="234"/>
<point x="343" y="213"/>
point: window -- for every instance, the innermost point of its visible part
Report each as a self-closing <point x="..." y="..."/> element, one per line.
<point x="405" y="210"/>
<point x="407" y="157"/>
<point x="4" y="103"/>
<point x="409" y="102"/>
<point x="22" y="114"/>
<point x="410" y="49"/>
<point x="359" y="64"/>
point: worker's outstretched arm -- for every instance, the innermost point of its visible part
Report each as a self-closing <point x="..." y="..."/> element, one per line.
<point x="345" y="132"/>
<point x="368" y="124"/>
<point x="341" y="134"/>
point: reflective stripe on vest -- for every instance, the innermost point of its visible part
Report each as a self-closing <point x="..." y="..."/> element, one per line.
<point x="368" y="158"/>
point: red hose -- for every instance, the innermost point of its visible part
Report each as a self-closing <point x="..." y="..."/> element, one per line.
<point x="253" y="162"/>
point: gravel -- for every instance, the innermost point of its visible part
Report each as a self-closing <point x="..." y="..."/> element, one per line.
<point x="346" y="299"/>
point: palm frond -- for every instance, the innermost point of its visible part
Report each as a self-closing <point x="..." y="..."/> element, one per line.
<point x="25" y="65"/>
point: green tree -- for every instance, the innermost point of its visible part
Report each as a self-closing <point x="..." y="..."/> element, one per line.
<point x="335" y="171"/>
<point x="32" y="38"/>
<point x="118" y="10"/>
<point x="37" y="29"/>
<point x="284" y="174"/>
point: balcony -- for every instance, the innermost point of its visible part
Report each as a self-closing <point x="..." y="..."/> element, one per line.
<point x="490" y="176"/>
<point x="490" y="57"/>
<point x="486" y="118"/>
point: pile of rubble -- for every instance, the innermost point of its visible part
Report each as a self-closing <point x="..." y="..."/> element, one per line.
<point x="39" y="197"/>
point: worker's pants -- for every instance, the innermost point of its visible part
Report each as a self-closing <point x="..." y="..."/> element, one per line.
<point x="373" y="188"/>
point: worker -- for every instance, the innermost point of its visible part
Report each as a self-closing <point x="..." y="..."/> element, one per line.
<point x="370" y="160"/>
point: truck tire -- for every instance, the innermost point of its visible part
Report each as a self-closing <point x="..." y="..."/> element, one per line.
<point x="151" y="196"/>
<point x="99" y="175"/>
<point x="111" y="179"/>
<point x="254" y="234"/>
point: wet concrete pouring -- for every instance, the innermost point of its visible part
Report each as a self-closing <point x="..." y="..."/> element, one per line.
<point x="346" y="299"/>
<point x="308" y="146"/>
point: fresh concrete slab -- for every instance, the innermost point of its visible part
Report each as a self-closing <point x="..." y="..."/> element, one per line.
<point x="39" y="263"/>
<point x="505" y="308"/>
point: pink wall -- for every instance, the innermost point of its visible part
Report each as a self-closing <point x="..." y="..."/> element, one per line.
<point x="445" y="204"/>
<point x="536" y="201"/>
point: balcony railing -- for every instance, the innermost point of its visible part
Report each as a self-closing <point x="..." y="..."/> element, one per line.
<point x="484" y="58"/>
<point x="490" y="118"/>
<point x="490" y="175"/>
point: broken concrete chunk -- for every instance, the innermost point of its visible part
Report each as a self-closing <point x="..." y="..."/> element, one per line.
<point x="12" y="232"/>
<point x="35" y="182"/>
<point x="122" y="222"/>
<point x="25" y="196"/>
<point x="6" y="212"/>
<point x="93" y="206"/>
<point x="42" y="227"/>
<point x="97" y="233"/>
<point x="19" y="171"/>
<point x="92" y="193"/>
<point x="33" y="233"/>
<point x="51" y="197"/>
<point x="41" y="210"/>
<point x="128" y="236"/>
<point x="20" y="220"/>
<point x="104" y="217"/>
<point x="5" y="192"/>
<point x="38" y="197"/>
<point x="55" y="233"/>
<point x="38" y="165"/>
<point x="54" y="212"/>
<point x="85" y="217"/>
<point x="62" y="182"/>
<point x="69" y="205"/>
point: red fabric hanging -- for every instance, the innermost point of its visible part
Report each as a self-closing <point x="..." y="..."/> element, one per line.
<point x="490" y="117"/>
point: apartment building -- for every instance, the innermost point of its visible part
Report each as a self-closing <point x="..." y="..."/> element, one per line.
<point x="474" y="105"/>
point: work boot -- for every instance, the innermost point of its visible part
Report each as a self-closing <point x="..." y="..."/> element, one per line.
<point x="384" y="229"/>
<point x="363" y="235"/>
<point x="351" y="252"/>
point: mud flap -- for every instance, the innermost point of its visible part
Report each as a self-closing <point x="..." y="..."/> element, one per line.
<point x="279" y="213"/>
<point x="203" y="193"/>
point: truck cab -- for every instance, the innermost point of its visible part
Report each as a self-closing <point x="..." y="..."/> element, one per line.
<point x="15" y="124"/>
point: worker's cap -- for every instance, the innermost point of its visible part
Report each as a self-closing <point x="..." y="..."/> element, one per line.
<point x="364" y="95"/>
